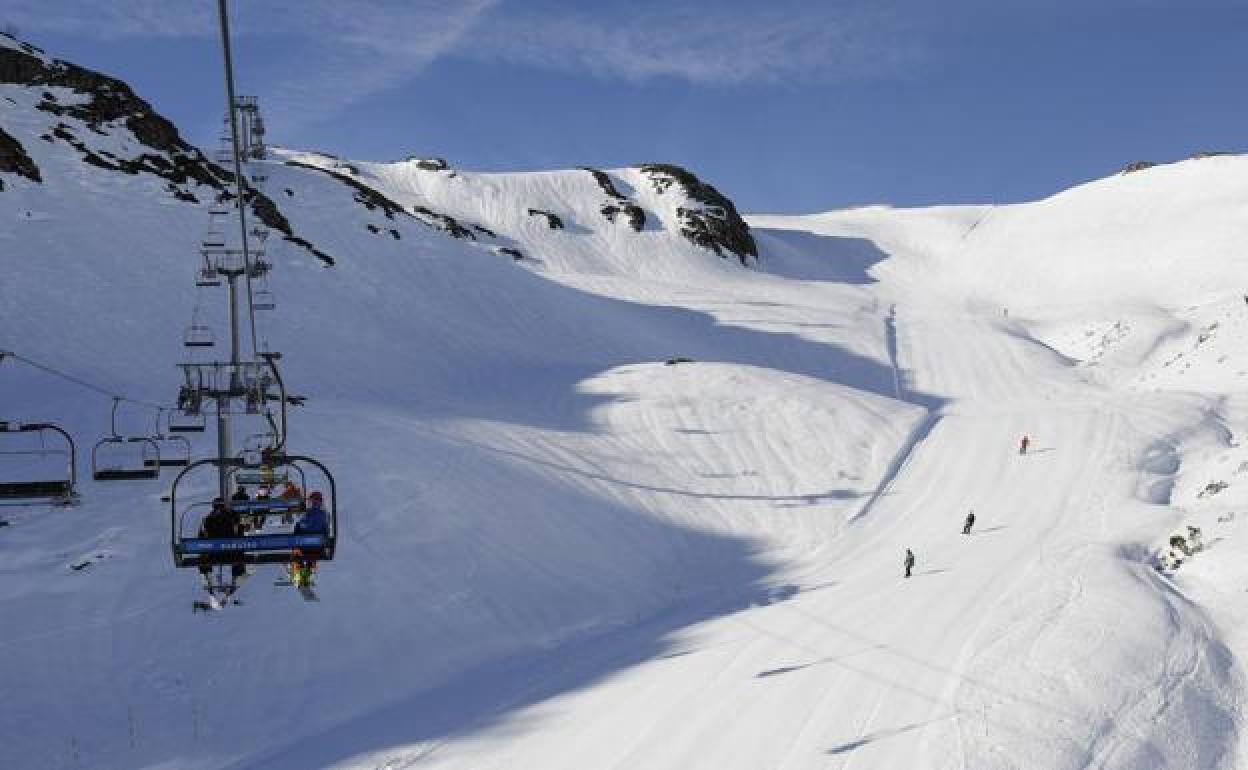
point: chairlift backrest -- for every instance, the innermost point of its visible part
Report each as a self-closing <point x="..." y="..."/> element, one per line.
<point x="39" y="484"/>
<point x="198" y="336"/>
<point x="121" y="458"/>
<point x="186" y="422"/>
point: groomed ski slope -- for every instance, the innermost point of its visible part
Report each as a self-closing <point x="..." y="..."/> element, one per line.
<point x="561" y="553"/>
<point x="1044" y="639"/>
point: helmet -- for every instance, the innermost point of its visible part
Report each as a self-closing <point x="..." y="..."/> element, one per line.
<point x="316" y="497"/>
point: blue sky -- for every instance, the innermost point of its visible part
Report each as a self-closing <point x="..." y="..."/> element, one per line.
<point x="786" y="106"/>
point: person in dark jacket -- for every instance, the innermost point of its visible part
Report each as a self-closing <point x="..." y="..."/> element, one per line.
<point x="1022" y="445"/>
<point x="221" y="523"/>
<point x="313" y="522"/>
<point x="909" y="563"/>
<point x="970" y="522"/>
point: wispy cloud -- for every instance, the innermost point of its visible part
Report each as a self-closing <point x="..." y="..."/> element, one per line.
<point x="708" y="43"/>
<point x="337" y="52"/>
<point x="347" y="51"/>
<point x="111" y="20"/>
<point x="334" y="53"/>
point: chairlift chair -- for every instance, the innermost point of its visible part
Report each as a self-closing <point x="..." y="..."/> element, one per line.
<point x="190" y="550"/>
<point x="198" y="336"/>
<point x="262" y="299"/>
<point x="174" y="451"/>
<point x="187" y="422"/>
<point x="207" y="278"/>
<point x="213" y="240"/>
<point x="124" y="458"/>
<point x="39" y="485"/>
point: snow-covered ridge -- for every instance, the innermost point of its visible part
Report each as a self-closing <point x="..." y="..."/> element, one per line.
<point x="626" y="214"/>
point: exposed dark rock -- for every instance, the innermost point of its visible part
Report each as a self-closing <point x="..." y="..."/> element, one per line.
<point x="370" y="198"/>
<point x="485" y="230"/>
<point x="290" y="193"/>
<point x="552" y="220"/>
<point x="515" y="254"/>
<point x="619" y="202"/>
<point x="14" y="160"/>
<point x="1137" y="165"/>
<point x="444" y="222"/>
<point x="636" y="216"/>
<point x="604" y="181"/>
<point x="112" y="101"/>
<point x="394" y="233"/>
<point x="303" y="242"/>
<point x="678" y="360"/>
<point x="717" y="226"/>
<point x="1209" y="154"/>
<point x="429" y="164"/>
<point x="374" y="229"/>
<point x="182" y="195"/>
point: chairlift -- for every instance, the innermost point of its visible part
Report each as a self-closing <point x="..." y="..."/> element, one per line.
<point x="26" y="474"/>
<point x="124" y="458"/>
<point x="190" y="550"/>
<point x="207" y="278"/>
<point x="213" y="240"/>
<point x="198" y="336"/>
<point x="187" y="422"/>
<point x="173" y="451"/>
<point x="262" y="299"/>
<point x="256" y="448"/>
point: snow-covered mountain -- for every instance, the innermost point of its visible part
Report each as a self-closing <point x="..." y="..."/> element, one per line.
<point x="560" y="551"/>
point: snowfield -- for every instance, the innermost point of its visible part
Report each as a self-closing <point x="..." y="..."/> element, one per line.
<point x="560" y="551"/>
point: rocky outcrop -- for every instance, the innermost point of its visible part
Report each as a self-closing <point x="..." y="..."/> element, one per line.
<point x="1137" y="165"/>
<point x="104" y="105"/>
<point x="635" y="215"/>
<point x="604" y="181"/>
<point x="715" y="224"/>
<point x="552" y="220"/>
<point x="618" y="202"/>
<point x="364" y="195"/>
<point x="14" y="160"/>
<point x="429" y="164"/>
<point x="373" y="200"/>
<point x="443" y="222"/>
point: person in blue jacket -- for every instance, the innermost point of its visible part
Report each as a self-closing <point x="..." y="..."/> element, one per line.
<point x="313" y="522"/>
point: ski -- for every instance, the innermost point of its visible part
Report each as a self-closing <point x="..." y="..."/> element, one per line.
<point x="211" y="605"/>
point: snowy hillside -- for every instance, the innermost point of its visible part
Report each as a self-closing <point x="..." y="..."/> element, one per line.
<point x="560" y="551"/>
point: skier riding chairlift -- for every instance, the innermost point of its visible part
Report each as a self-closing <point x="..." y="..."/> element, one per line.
<point x="313" y="522"/>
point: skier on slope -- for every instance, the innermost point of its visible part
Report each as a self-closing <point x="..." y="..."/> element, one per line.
<point x="970" y="522"/>
<point x="314" y="522"/>
<point x="1022" y="445"/>
<point x="909" y="562"/>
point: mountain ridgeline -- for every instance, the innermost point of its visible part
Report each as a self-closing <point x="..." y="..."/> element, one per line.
<point x="99" y="121"/>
